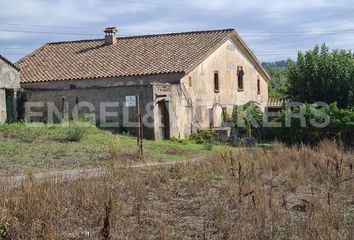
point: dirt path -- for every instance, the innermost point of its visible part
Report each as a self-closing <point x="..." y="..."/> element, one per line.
<point x="69" y="175"/>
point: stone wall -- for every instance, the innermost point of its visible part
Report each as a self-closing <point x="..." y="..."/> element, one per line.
<point x="96" y="91"/>
<point x="10" y="80"/>
<point x="96" y="96"/>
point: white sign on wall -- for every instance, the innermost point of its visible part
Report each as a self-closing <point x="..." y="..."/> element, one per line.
<point x="130" y="101"/>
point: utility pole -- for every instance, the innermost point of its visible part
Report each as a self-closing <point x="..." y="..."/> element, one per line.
<point x="140" y="126"/>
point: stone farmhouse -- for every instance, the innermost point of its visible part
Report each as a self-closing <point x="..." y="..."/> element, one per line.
<point x="9" y="86"/>
<point x="185" y="81"/>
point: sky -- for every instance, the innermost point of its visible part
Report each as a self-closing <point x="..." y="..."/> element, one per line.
<point x="273" y="30"/>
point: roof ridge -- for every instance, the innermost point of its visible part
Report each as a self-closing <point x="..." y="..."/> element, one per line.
<point x="75" y="41"/>
<point x="9" y="62"/>
<point x="145" y="36"/>
<point x="178" y="33"/>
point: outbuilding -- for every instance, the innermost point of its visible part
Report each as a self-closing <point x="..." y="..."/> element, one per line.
<point x="9" y="86"/>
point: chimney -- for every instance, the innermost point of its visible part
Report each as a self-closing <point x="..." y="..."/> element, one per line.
<point x="110" y="38"/>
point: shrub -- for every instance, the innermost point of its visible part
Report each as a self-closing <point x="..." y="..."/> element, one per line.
<point x="208" y="145"/>
<point x="115" y="147"/>
<point x="202" y="136"/>
<point x="4" y="224"/>
<point x="74" y="133"/>
<point x="247" y="119"/>
<point x="341" y="125"/>
<point x="179" y="141"/>
<point x="3" y="232"/>
<point x="28" y="135"/>
<point x="121" y="130"/>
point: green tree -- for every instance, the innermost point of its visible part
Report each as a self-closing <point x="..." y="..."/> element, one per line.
<point x="321" y="75"/>
<point x="248" y="118"/>
<point x="277" y="73"/>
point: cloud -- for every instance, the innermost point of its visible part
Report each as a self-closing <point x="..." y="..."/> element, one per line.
<point x="250" y="18"/>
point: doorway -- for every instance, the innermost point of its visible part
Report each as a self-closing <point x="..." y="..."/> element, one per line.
<point x="215" y="115"/>
<point x="9" y="105"/>
<point x="164" y="119"/>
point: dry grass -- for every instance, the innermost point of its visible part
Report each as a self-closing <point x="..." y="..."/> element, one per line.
<point x="281" y="193"/>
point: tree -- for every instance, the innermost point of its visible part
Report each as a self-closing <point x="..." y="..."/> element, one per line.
<point x="321" y="75"/>
<point x="277" y="73"/>
<point x="247" y="118"/>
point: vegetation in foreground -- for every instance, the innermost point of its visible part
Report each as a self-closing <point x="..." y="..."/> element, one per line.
<point x="281" y="193"/>
<point x="56" y="147"/>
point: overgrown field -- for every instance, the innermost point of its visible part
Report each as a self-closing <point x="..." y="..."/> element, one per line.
<point x="280" y="193"/>
<point x="41" y="148"/>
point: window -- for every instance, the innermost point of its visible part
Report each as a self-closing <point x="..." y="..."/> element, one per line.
<point x="240" y="74"/>
<point x="63" y="100"/>
<point x="258" y="86"/>
<point x="190" y="81"/>
<point x="216" y="82"/>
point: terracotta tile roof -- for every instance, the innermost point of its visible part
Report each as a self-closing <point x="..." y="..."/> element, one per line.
<point x="9" y="63"/>
<point x="140" y="55"/>
<point x="274" y="102"/>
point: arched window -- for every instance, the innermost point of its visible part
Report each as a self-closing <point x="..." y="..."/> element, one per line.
<point x="216" y="82"/>
<point x="240" y="74"/>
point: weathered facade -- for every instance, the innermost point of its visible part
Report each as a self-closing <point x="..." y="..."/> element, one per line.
<point x="100" y="92"/>
<point x="207" y="102"/>
<point x="9" y="85"/>
<point x="185" y="81"/>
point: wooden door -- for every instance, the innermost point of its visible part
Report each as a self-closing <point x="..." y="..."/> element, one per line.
<point x="9" y="106"/>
